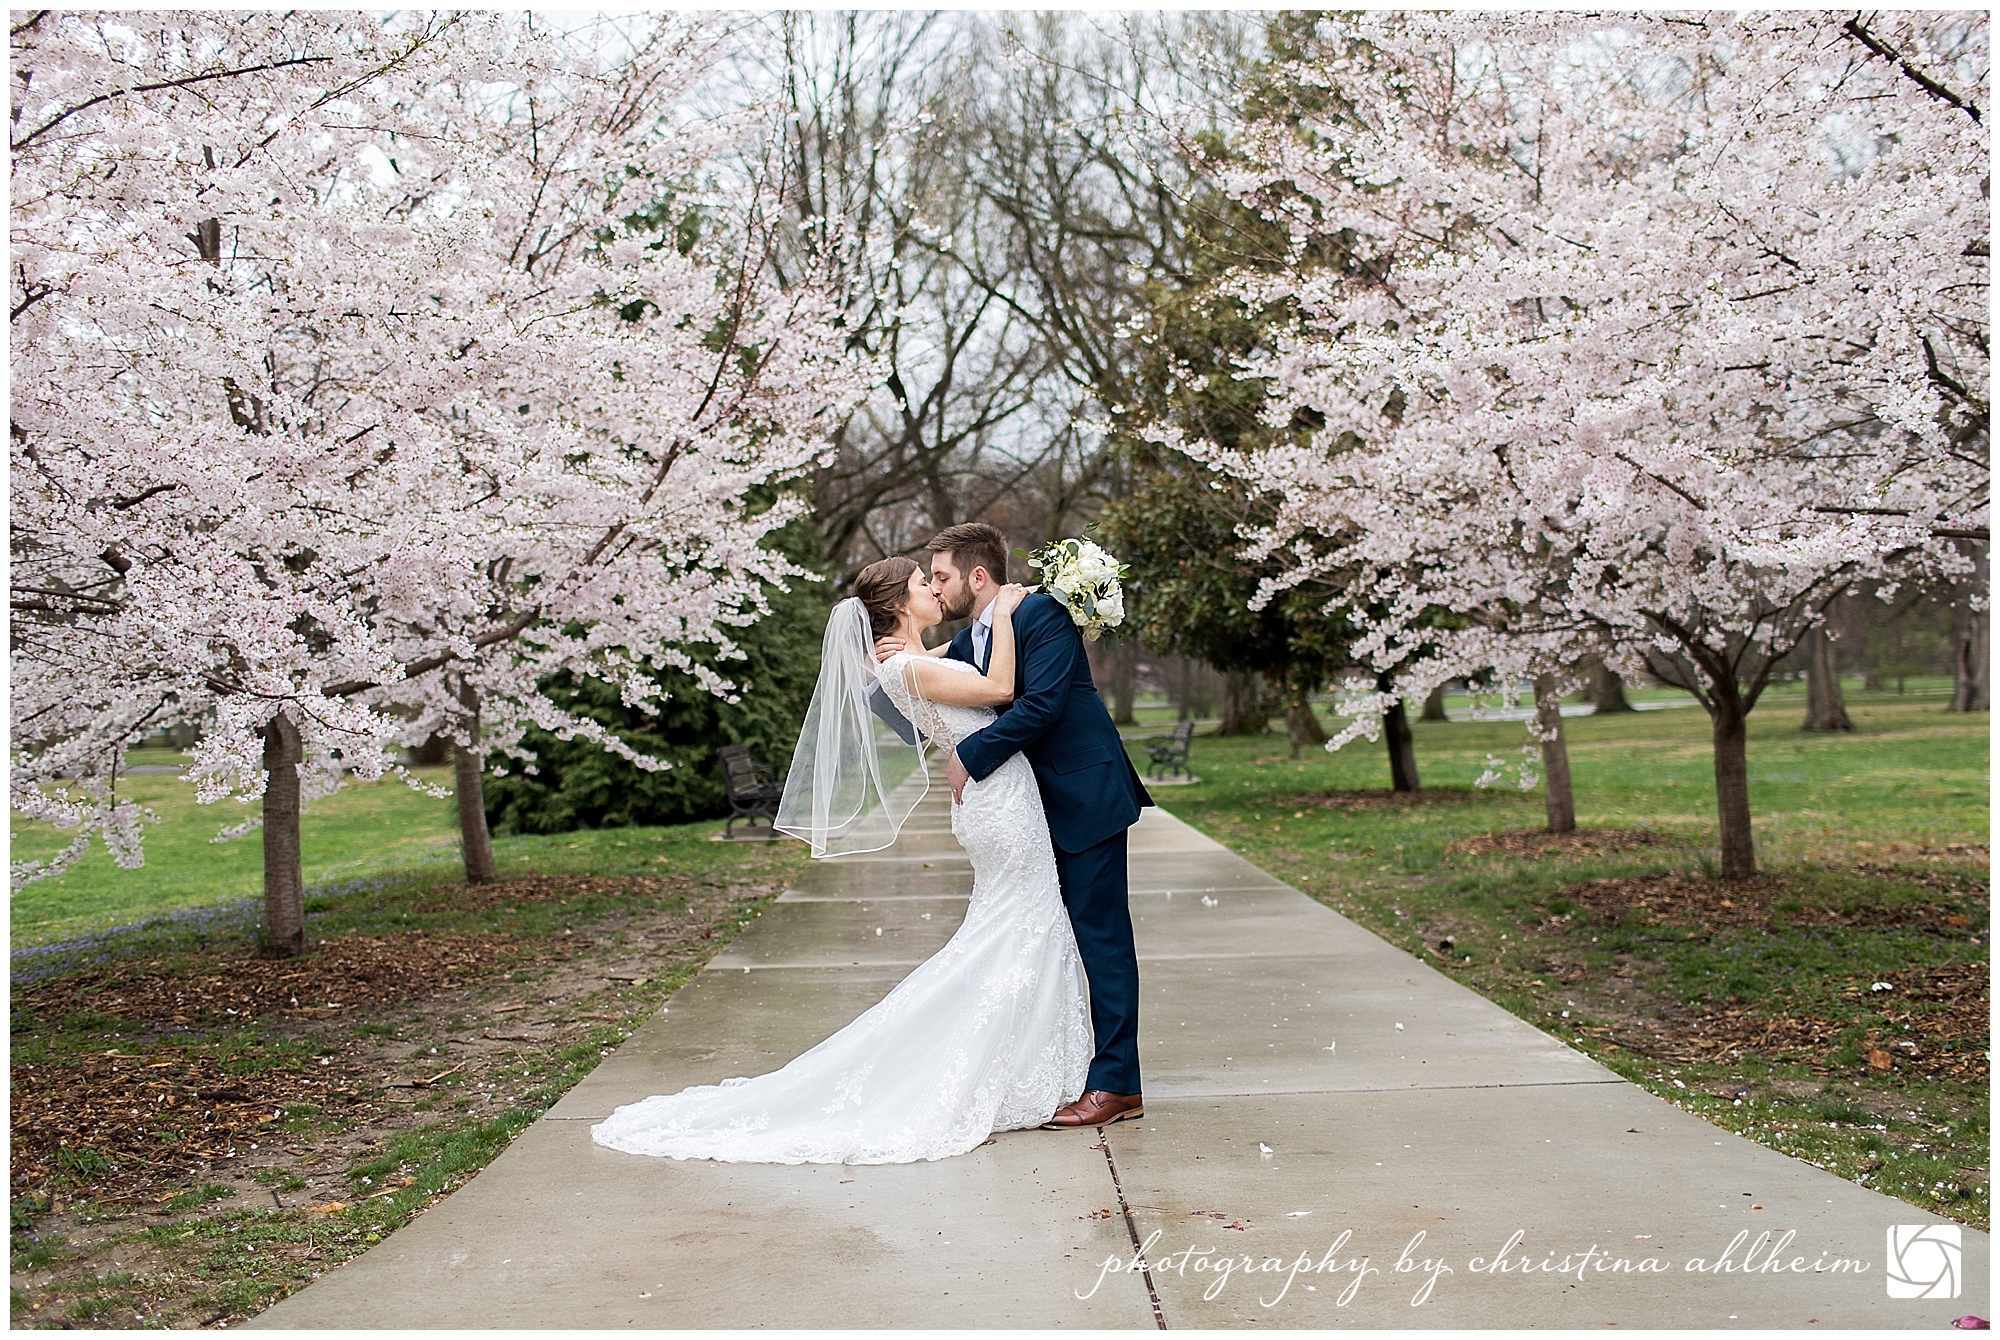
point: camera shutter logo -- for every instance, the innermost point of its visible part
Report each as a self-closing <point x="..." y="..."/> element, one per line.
<point x="1924" y="1260"/>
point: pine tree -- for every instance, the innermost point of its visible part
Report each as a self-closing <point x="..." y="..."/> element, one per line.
<point x="578" y="784"/>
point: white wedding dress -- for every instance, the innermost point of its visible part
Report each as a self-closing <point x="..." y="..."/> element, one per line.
<point x="991" y="1033"/>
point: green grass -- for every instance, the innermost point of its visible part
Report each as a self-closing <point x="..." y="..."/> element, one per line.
<point x="380" y="830"/>
<point x="1834" y="818"/>
<point x="363" y="829"/>
<point x="1909" y="773"/>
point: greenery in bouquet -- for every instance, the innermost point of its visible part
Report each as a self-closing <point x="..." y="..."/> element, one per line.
<point x="1086" y="580"/>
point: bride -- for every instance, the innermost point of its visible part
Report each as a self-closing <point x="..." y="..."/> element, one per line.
<point x="992" y="1033"/>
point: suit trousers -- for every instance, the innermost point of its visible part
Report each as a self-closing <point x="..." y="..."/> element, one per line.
<point x="1094" y="891"/>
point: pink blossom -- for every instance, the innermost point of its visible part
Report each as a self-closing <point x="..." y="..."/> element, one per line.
<point x="353" y="360"/>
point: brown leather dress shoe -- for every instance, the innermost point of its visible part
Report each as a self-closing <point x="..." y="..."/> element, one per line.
<point x="1097" y="1108"/>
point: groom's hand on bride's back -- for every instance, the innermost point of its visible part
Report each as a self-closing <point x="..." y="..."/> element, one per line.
<point x="886" y="646"/>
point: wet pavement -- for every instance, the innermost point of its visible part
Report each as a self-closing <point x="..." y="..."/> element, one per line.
<point x="1335" y="1135"/>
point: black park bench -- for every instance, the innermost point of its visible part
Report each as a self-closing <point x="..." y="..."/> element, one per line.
<point x="1170" y="752"/>
<point x="753" y="792"/>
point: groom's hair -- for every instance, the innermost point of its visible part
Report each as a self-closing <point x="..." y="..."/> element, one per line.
<point x="973" y="544"/>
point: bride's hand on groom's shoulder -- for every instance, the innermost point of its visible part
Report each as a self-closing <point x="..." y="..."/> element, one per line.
<point x="1011" y="596"/>
<point x="887" y="646"/>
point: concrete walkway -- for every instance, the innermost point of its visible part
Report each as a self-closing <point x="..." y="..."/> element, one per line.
<point x="1313" y="1096"/>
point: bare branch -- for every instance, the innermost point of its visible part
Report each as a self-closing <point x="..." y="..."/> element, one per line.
<point x="1854" y="29"/>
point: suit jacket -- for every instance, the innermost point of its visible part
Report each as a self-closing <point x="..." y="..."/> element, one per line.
<point x="1089" y="787"/>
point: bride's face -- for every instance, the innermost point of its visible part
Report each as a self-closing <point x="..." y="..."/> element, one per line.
<point x="922" y="607"/>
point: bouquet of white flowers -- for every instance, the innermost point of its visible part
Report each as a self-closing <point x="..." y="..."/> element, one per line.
<point x="1085" y="579"/>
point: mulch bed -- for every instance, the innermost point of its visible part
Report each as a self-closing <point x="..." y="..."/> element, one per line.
<point x="1532" y="842"/>
<point x="1949" y="1018"/>
<point x="342" y="976"/>
<point x="168" y="1108"/>
<point x="1658" y="900"/>
<point x="261" y="1085"/>
<point x="1371" y="799"/>
<point x="160" y="1112"/>
<point x="1945" y="1008"/>
<point x="545" y="889"/>
<point x="347" y="974"/>
<point x="161" y="1115"/>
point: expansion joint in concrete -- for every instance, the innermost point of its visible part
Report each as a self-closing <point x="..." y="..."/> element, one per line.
<point x="1131" y="1227"/>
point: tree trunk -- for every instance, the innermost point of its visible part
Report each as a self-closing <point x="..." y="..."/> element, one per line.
<point x="284" y="877"/>
<point x="1607" y="690"/>
<point x="1124" y="677"/>
<point x="1201" y="687"/>
<point x="1732" y="787"/>
<point x="474" y="840"/>
<point x="1434" y="706"/>
<point x="1558" y="799"/>
<point x="1243" y="703"/>
<point x="1971" y="665"/>
<point x="1300" y="723"/>
<point x="1187" y="690"/>
<point x="434" y="752"/>
<point x="1826" y="710"/>
<point x="1402" y="744"/>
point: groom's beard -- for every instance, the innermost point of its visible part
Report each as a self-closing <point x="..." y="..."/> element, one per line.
<point x="959" y="608"/>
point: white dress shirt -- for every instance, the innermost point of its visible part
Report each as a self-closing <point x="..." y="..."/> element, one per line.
<point x="982" y="635"/>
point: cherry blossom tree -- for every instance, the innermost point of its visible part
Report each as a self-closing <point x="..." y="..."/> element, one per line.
<point x="1640" y="336"/>
<point x="654" y="376"/>
<point x="200" y="472"/>
<point x="363" y="373"/>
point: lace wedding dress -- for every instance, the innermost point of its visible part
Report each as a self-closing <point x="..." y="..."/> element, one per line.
<point x="991" y="1033"/>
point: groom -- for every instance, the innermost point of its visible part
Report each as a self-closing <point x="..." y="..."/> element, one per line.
<point x="1090" y="791"/>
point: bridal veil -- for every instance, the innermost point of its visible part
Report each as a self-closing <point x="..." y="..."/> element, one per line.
<point x="859" y="769"/>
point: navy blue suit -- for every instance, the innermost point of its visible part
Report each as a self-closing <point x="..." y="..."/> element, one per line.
<point x="1092" y="794"/>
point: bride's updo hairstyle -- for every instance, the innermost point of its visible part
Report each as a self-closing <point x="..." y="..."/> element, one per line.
<point x="884" y="587"/>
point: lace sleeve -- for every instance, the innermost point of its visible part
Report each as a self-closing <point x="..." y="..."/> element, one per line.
<point x="898" y="680"/>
